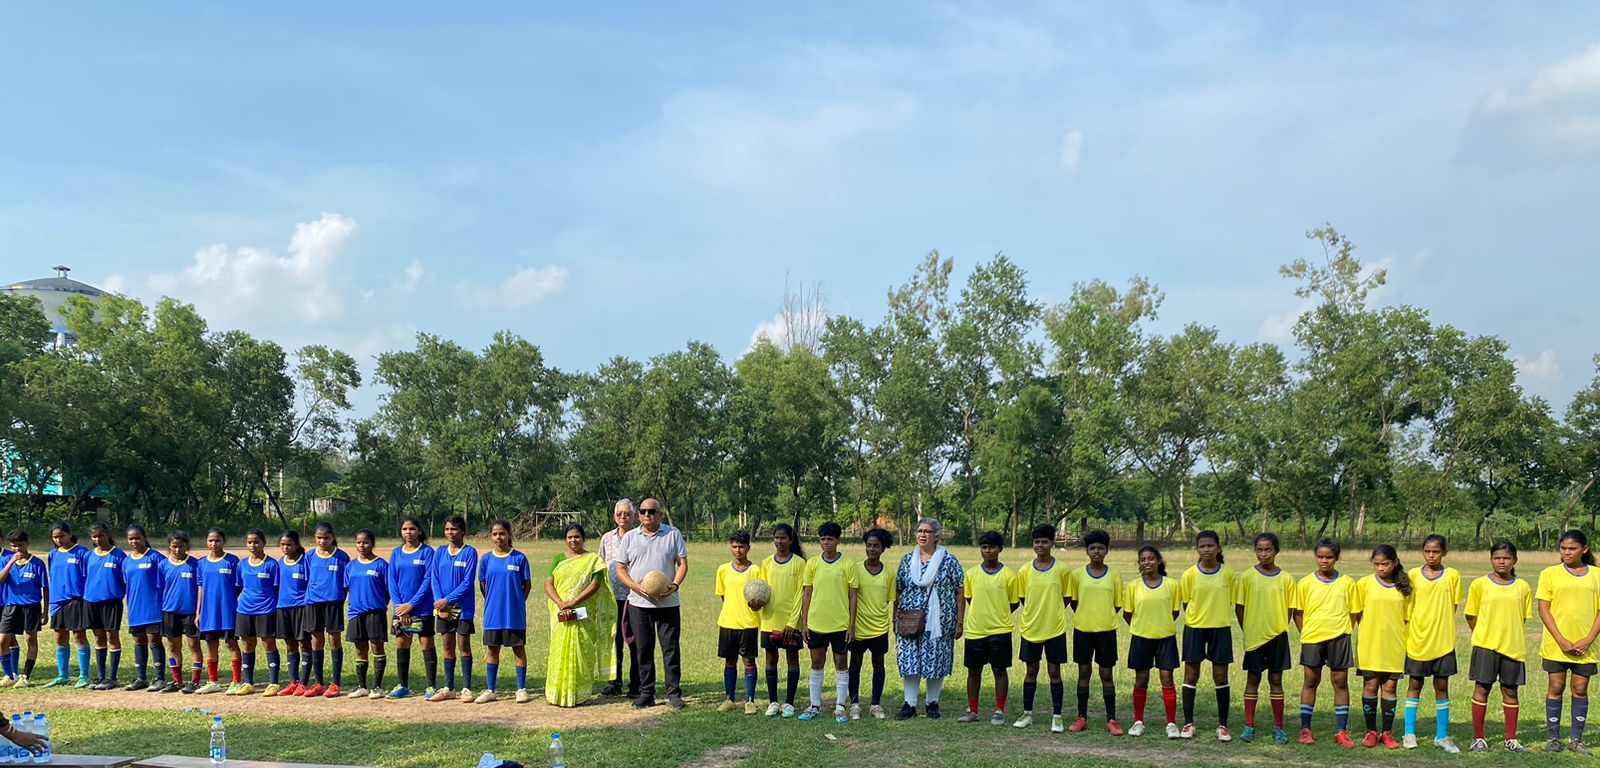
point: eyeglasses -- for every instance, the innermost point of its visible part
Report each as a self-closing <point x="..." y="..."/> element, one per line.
<point x="924" y="530"/>
<point x="649" y="511"/>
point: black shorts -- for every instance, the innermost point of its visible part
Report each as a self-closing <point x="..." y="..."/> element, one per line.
<point x="445" y="626"/>
<point x="736" y="643"/>
<point x="72" y="615"/>
<point x="1333" y="654"/>
<point x="256" y="625"/>
<point x="1158" y="652"/>
<point x="992" y="651"/>
<point x="1488" y="667"/>
<point x="834" y="641"/>
<point x="291" y="623"/>
<point x="1381" y="677"/>
<point x="1053" y="650"/>
<point x="322" y="617"/>
<point x="500" y="638"/>
<point x="218" y="634"/>
<point x="1213" y="644"/>
<point x="1583" y="669"/>
<point x="1444" y="666"/>
<point x="145" y="629"/>
<point x="179" y="625"/>
<point x="20" y="620"/>
<point x="879" y="644"/>
<point x="104" y="615"/>
<point x="767" y="641"/>
<point x="1271" y="656"/>
<point x="368" y="627"/>
<point x="1095" y="647"/>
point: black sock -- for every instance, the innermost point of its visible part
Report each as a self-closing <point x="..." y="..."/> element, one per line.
<point x="27" y="669"/>
<point x="361" y="673"/>
<point x="1083" y="701"/>
<point x="380" y="662"/>
<point x="772" y="683"/>
<point x="402" y="658"/>
<point x="1029" y="690"/>
<point x="791" y="684"/>
<point x="338" y="666"/>
<point x="1224" y="696"/>
<point x="1058" y="691"/>
<point x="1388" y="713"/>
<point x="1188" y="704"/>
<point x="1369" y="710"/>
<point x="100" y="663"/>
<point x="430" y="663"/>
<point x="879" y="675"/>
<point x="1109" y="693"/>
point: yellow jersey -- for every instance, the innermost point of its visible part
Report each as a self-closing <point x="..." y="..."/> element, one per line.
<point x="1574" y="599"/>
<point x="830" y="593"/>
<point x="874" y="599"/>
<point x="1432" y="631"/>
<point x="1381" y="643"/>
<point x="1099" y="599"/>
<point x="783" y="610"/>
<point x="1325" y="607"/>
<point x="1154" y="609"/>
<point x="1208" y="597"/>
<point x="1044" y="614"/>
<point x="736" y="613"/>
<point x="1500" y="610"/>
<point x="989" y="600"/>
<point x="1267" y="599"/>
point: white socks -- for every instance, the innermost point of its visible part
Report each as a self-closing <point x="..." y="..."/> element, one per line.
<point x="935" y="685"/>
<point x="841" y="687"/>
<point x="816" y="688"/>
<point x="911" y="683"/>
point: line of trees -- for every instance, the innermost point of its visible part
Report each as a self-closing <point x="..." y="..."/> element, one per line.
<point x="977" y="404"/>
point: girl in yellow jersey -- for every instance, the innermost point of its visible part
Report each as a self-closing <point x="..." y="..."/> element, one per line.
<point x="991" y="593"/>
<point x="737" y="623"/>
<point x="784" y="570"/>
<point x="1096" y="599"/>
<point x="1207" y="591"/>
<point x="1431" y="640"/>
<point x="825" y="620"/>
<point x="1379" y="607"/>
<point x="1324" y="622"/>
<point x="1151" y="608"/>
<point x="1265" y="596"/>
<point x="871" y="595"/>
<point x="1043" y="585"/>
<point x="1569" y="608"/>
<point x="1497" y="605"/>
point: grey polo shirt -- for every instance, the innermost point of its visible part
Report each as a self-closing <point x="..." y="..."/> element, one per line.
<point x="643" y="553"/>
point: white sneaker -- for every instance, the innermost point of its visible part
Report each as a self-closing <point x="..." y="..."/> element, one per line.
<point x="377" y="693"/>
<point x="1447" y="745"/>
<point x="1409" y="741"/>
<point x="1187" y="731"/>
<point x="1223" y="735"/>
<point x="1173" y="732"/>
<point x="788" y="710"/>
<point x="1024" y="721"/>
<point x="855" y="711"/>
<point x="486" y="697"/>
<point x="7" y="681"/>
<point x="1056" y="725"/>
<point x="522" y="696"/>
<point x="466" y="696"/>
<point x="359" y="693"/>
<point x="840" y="715"/>
<point x="1137" y="729"/>
<point x="772" y="709"/>
<point x="877" y="712"/>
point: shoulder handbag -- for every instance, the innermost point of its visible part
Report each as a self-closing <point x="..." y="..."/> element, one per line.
<point x="912" y="622"/>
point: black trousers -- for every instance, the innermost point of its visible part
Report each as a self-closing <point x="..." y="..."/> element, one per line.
<point x="633" y="655"/>
<point x="649" y="625"/>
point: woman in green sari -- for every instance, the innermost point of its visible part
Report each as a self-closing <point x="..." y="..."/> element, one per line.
<point x="579" y="602"/>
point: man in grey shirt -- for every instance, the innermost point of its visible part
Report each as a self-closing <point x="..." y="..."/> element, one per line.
<point x="610" y="547"/>
<point x="654" y="547"/>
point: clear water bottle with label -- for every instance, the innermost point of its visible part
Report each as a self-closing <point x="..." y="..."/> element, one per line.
<point x="12" y="751"/>
<point x="219" y="742"/>
<point x="558" y="753"/>
<point x="41" y="728"/>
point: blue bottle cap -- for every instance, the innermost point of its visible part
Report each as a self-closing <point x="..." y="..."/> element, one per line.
<point x="555" y="736"/>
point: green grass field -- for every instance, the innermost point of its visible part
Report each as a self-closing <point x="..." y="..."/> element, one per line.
<point x="701" y="736"/>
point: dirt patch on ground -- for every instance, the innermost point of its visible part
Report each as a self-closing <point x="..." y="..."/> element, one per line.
<point x="723" y="757"/>
<point x="1193" y="754"/>
<point x="535" y="714"/>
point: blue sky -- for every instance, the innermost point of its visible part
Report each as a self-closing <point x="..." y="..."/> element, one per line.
<point x="622" y="180"/>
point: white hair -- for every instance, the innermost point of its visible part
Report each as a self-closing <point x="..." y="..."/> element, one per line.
<point x="632" y="510"/>
<point x="937" y="528"/>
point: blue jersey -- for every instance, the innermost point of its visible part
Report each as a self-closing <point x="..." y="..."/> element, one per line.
<point x="292" y="583"/>
<point x="24" y="584"/>
<point x="408" y="579"/>
<point x="258" y="587"/>
<point x="68" y="570"/>
<point x="104" y="577"/>
<point x="368" y="584"/>
<point x="180" y="585"/>
<point x="141" y="581"/>
<point x="452" y="578"/>
<point x="325" y="576"/>
<point x="219" y="598"/>
<point x="502" y="576"/>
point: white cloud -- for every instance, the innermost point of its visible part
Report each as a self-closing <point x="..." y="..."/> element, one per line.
<point x="1279" y="328"/>
<point x="1551" y="117"/>
<point x="231" y="284"/>
<point x="525" y="287"/>
<point x="114" y="283"/>
<point x="1543" y="368"/>
<point x="1071" y="150"/>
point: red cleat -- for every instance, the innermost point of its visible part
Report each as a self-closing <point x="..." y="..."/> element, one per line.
<point x="314" y="691"/>
<point x="1387" y="740"/>
<point x="332" y="692"/>
<point x="1114" y="727"/>
<point x="1342" y="738"/>
<point x="1079" y="726"/>
<point x="1306" y="738"/>
<point x="1370" y="740"/>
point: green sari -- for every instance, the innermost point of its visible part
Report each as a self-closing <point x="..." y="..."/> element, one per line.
<point x="575" y="646"/>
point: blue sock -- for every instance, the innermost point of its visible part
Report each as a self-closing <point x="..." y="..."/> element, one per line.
<point x="5" y="663"/>
<point x="491" y="671"/>
<point x="273" y="660"/>
<point x="338" y="666"/>
<point x="100" y="664"/>
<point x="294" y="667"/>
<point x="522" y="678"/>
<point x="116" y="661"/>
<point x="248" y="661"/>
<point x="1341" y="717"/>
<point x="730" y="677"/>
<point x="466" y="672"/>
<point x="1552" y="718"/>
<point x="1441" y="718"/>
<point x="83" y="661"/>
<point x="449" y="674"/>
<point x="1580" y="716"/>
<point x="62" y="655"/>
<point x="1411" y="715"/>
<point x="749" y="683"/>
<point x="1305" y="715"/>
<point x="318" y="660"/>
<point x="141" y="660"/>
<point x="16" y="658"/>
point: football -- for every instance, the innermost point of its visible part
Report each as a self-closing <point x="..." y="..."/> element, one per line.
<point x="757" y="594"/>
<point x="656" y="584"/>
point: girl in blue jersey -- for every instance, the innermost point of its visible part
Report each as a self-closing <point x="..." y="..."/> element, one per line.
<point x="219" y="606"/>
<point x="324" y="611"/>
<point x="291" y="605"/>
<point x="366" y="580"/>
<point x="22" y="583"/>
<point x="505" y="580"/>
<point x="180" y="599"/>
<point x="103" y="590"/>
<point x="409" y="567"/>
<point x="258" y="611"/>
<point x="141" y="582"/>
<point x="455" y="568"/>
<point x="69" y="567"/>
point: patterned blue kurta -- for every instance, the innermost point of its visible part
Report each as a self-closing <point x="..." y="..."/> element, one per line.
<point x="928" y="655"/>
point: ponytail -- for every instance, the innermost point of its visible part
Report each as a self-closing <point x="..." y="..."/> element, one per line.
<point x="795" y="548"/>
<point x="1572" y="535"/>
<point x="1402" y="580"/>
<point x="1161" y="562"/>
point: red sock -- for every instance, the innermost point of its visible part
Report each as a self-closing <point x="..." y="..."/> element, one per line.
<point x="1250" y="710"/>
<point x="1169" y="701"/>
<point x="1277" y="710"/>
<point x="999" y="703"/>
<point x="972" y="705"/>
<point x="1139" y="694"/>
<point x="1479" y="709"/>
<point x="1512" y="711"/>
<point x="194" y="674"/>
<point x="238" y="669"/>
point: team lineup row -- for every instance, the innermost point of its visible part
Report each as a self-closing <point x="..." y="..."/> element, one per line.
<point x="1390" y="626"/>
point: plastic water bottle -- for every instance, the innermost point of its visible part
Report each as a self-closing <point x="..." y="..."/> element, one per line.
<point x="219" y="742"/>
<point x="558" y="755"/>
<point x="12" y="751"/>
<point x="41" y="728"/>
